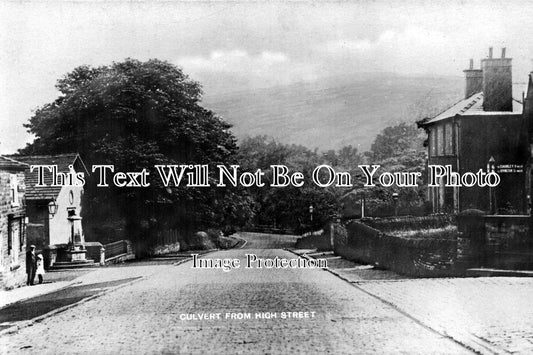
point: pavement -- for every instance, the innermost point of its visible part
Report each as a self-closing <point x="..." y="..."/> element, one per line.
<point x="21" y="293"/>
<point x="489" y="315"/>
<point x="24" y="306"/>
<point x="60" y="279"/>
<point x="57" y="280"/>
<point x="349" y="308"/>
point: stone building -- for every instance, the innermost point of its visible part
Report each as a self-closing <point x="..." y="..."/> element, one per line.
<point x="486" y="130"/>
<point x="12" y="224"/>
<point x="528" y="117"/>
<point x="49" y="207"/>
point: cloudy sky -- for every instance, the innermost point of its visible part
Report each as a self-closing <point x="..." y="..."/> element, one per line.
<point x="237" y="45"/>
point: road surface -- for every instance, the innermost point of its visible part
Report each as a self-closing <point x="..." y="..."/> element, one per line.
<point x="180" y="309"/>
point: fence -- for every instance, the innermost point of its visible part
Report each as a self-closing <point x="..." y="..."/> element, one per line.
<point x="269" y="229"/>
<point x="167" y="242"/>
<point x="167" y="237"/>
<point x="116" y="249"/>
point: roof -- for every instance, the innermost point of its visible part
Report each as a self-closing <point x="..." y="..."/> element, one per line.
<point x="471" y="106"/>
<point x="46" y="192"/>
<point x="11" y="164"/>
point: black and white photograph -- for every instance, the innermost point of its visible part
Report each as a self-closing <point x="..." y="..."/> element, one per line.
<point x="266" y="177"/>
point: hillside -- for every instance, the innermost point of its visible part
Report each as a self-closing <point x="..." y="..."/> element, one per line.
<point x="335" y="112"/>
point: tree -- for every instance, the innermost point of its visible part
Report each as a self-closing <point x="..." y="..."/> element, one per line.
<point x="398" y="148"/>
<point x="288" y="207"/>
<point x="134" y="115"/>
<point x="394" y="141"/>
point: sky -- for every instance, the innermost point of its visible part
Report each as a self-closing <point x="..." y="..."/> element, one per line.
<point x="233" y="46"/>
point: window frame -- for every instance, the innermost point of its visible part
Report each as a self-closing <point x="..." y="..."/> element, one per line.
<point x="448" y="139"/>
<point x="440" y="140"/>
<point x="433" y="142"/>
<point x="14" y="190"/>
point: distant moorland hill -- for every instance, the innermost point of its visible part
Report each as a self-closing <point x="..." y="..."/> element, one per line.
<point x="335" y="112"/>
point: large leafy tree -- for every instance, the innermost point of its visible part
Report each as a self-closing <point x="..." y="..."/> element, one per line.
<point x="134" y="115"/>
<point x="288" y="207"/>
<point x="398" y="148"/>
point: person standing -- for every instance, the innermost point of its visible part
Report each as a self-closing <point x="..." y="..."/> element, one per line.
<point x="31" y="265"/>
<point x="40" y="268"/>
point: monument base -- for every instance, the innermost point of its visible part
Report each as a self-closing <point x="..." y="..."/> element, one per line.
<point x="76" y="253"/>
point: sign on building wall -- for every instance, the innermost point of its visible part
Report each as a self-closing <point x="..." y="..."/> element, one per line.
<point x="510" y="168"/>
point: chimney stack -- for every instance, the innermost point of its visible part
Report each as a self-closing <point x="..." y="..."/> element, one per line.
<point x="473" y="80"/>
<point x="497" y="83"/>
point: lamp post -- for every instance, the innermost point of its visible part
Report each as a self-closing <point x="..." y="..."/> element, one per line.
<point x="52" y="207"/>
<point x="395" y="196"/>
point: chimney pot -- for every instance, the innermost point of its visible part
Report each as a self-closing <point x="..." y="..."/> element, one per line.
<point x="471" y="63"/>
<point x="497" y="83"/>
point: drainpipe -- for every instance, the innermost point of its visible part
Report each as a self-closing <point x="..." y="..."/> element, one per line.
<point x="456" y="124"/>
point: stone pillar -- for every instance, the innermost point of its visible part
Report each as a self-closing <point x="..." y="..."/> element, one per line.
<point x="102" y="255"/>
<point x="471" y="242"/>
<point x="76" y="251"/>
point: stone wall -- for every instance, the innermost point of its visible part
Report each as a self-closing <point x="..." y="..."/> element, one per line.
<point x="416" y="253"/>
<point x="507" y="232"/>
<point x="95" y="252"/>
<point x="509" y="243"/>
<point x="433" y="246"/>
<point x="321" y="240"/>
<point x="165" y="249"/>
<point x="13" y="259"/>
<point x="495" y="241"/>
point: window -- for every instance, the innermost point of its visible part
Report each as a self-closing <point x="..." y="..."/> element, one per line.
<point x="15" y="236"/>
<point x="440" y="140"/>
<point x="448" y="135"/>
<point x="22" y="233"/>
<point x="14" y="230"/>
<point x="9" y="237"/>
<point x="14" y="186"/>
<point x="433" y="142"/>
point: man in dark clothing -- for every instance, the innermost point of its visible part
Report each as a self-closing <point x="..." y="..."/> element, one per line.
<point x="31" y="264"/>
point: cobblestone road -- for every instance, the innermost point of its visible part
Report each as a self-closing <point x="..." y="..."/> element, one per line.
<point x="149" y="316"/>
<point x="489" y="314"/>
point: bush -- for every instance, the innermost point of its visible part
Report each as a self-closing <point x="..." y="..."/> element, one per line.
<point x="229" y="230"/>
<point x="220" y="240"/>
<point x="199" y="241"/>
<point x="409" y="223"/>
<point x="447" y="232"/>
<point x="227" y="242"/>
